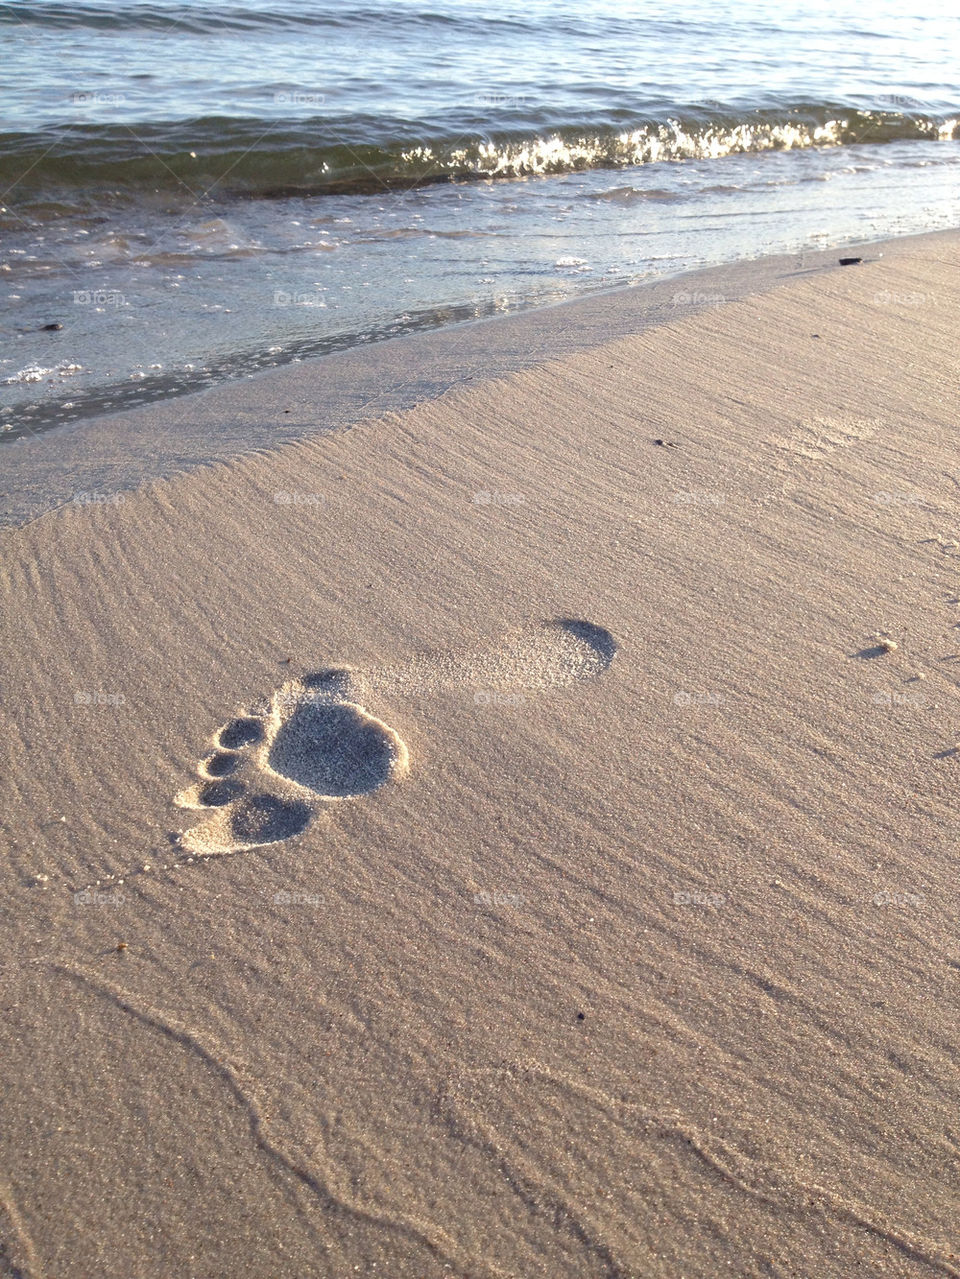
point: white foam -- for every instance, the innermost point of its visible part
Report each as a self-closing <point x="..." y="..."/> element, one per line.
<point x="36" y="373"/>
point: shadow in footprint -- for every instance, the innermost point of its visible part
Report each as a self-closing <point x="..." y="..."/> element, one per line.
<point x="265" y="819"/>
<point x="221" y="764"/>
<point x="240" y="732"/>
<point x="333" y="681"/>
<point x="216" y="794"/>
<point x="334" y="749"/>
<point x="600" y="640"/>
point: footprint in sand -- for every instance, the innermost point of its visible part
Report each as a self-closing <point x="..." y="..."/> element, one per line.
<point x="816" y="438"/>
<point x="313" y="742"/>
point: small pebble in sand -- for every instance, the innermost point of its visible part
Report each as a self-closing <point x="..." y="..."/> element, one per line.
<point x="121" y="945"/>
<point x="581" y="1016"/>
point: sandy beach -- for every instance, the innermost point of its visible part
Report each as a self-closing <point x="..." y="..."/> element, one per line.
<point x="513" y="836"/>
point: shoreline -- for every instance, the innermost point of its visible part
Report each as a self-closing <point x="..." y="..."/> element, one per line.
<point x="236" y="299"/>
<point x="93" y="457"/>
<point x="515" y="835"/>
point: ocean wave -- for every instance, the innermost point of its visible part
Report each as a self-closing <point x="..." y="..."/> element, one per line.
<point x="190" y="19"/>
<point x="236" y="157"/>
<point x="187" y="19"/>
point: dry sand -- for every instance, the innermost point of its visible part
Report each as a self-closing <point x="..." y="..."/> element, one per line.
<point x="562" y="874"/>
